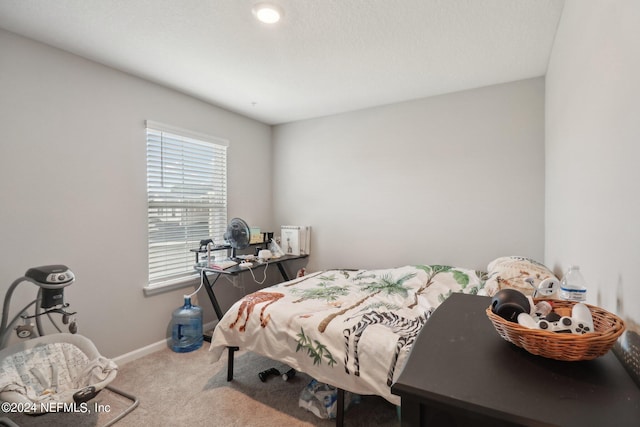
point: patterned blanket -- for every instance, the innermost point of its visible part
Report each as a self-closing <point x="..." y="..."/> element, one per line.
<point x="350" y="329"/>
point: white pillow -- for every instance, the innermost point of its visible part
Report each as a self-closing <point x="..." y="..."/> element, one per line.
<point x="511" y="272"/>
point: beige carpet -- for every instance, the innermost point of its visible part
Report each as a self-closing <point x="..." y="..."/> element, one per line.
<point x="188" y="389"/>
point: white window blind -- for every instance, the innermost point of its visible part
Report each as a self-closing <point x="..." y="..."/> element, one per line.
<point x="187" y="198"/>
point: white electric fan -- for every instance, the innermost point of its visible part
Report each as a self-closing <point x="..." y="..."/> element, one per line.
<point x="237" y="235"/>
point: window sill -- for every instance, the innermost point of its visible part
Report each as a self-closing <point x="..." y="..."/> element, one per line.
<point x="161" y="288"/>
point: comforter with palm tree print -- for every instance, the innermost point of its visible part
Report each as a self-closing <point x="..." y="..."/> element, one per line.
<point x="351" y="329"/>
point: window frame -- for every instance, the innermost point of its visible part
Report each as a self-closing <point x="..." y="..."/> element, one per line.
<point x="176" y="197"/>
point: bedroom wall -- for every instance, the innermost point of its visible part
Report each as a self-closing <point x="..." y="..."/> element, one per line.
<point x="73" y="184"/>
<point x="593" y="128"/>
<point x="455" y="179"/>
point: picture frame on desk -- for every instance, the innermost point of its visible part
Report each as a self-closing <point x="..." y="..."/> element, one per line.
<point x="295" y="239"/>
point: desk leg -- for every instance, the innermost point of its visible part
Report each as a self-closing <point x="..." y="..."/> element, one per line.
<point x="283" y="272"/>
<point x="212" y="296"/>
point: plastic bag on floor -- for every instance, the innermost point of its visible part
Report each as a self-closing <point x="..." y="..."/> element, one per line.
<point x="322" y="399"/>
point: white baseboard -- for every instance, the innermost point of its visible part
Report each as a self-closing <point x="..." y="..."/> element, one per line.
<point x="152" y="348"/>
<point x="141" y="352"/>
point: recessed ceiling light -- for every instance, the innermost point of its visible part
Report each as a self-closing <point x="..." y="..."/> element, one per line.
<point x="267" y="13"/>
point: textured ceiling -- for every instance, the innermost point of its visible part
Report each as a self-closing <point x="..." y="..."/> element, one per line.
<point x="324" y="57"/>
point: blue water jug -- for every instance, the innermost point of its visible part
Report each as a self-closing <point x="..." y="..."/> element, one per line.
<point x="186" y="327"/>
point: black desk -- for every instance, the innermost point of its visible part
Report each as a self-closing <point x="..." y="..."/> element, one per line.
<point x="461" y="372"/>
<point x="235" y="270"/>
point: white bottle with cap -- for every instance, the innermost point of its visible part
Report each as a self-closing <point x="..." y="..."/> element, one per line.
<point x="573" y="286"/>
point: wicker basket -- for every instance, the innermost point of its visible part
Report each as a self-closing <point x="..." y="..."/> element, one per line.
<point x="568" y="347"/>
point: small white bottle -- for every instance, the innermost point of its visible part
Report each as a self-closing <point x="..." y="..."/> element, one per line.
<point x="573" y="286"/>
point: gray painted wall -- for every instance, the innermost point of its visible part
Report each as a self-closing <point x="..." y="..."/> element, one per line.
<point x="73" y="185"/>
<point x="592" y="151"/>
<point x="456" y="179"/>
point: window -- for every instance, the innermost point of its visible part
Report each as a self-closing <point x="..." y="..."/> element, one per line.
<point x="187" y="198"/>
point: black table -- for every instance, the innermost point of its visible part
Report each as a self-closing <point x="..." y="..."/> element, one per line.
<point x="461" y="372"/>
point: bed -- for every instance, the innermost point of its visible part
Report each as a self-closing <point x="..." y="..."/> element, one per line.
<point x="352" y="329"/>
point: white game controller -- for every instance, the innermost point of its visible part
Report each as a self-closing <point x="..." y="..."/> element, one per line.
<point x="580" y="322"/>
<point x="546" y="287"/>
<point x="245" y="264"/>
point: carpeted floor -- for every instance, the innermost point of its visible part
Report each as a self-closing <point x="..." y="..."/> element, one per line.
<point x="189" y="389"/>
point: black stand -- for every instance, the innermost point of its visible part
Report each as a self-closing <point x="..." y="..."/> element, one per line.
<point x="340" y="411"/>
<point x="230" y="362"/>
